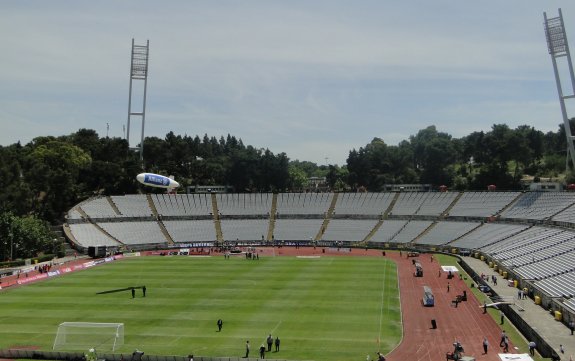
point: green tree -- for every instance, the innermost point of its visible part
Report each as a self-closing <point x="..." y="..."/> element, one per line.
<point x="434" y="156"/>
<point x="53" y="168"/>
<point x="24" y="237"/>
<point x="16" y="194"/>
<point x="298" y="179"/>
<point x="337" y="177"/>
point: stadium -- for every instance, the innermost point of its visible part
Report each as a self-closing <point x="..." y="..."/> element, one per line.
<point x="525" y="239"/>
<point x="363" y="268"/>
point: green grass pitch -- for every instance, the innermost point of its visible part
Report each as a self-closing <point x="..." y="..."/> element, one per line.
<point x="328" y="308"/>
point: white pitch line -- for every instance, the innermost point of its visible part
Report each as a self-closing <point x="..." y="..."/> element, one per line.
<point x="381" y="307"/>
<point x="272" y="331"/>
<point x="275" y="328"/>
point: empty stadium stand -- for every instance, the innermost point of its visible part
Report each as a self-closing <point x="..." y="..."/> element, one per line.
<point x="445" y="232"/>
<point x="363" y="203"/>
<point x="303" y="203"/>
<point x="351" y="230"/>
<point x="482" y="204"/>
<point x="539" y="205"/>
<point x="488" y="233"/>
<point x="530" y="235"/>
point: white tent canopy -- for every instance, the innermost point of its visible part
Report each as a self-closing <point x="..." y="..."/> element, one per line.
<point x="515" y="357"/>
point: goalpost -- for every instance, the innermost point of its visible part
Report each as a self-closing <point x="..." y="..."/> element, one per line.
<point x="86" y="335"/>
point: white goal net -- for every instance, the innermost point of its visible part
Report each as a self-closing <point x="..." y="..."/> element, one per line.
<point x="86" y="335"/>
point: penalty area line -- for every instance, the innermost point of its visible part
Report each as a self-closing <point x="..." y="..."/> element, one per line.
<point x="275" y="328"/>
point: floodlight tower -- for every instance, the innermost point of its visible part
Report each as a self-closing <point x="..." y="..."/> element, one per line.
<point x="558" y="49"/>
<point x="138" y="71"/>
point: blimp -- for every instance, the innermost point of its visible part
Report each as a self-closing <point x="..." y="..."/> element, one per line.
<point x="156" y="180"/>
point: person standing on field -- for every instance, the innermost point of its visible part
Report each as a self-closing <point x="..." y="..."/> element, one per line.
<point x="485" y="345"/>
<point x="270" y="341"/>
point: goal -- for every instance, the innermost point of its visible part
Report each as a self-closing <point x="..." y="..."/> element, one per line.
<point x="86" y="335"/>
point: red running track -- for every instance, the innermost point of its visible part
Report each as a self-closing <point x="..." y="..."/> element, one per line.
<point x="466" y="323"/>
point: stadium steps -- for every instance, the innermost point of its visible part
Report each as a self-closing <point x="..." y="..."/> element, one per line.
<point x="448" y="210"/>
<point x="327" y="217"/>
<point x="113" y="205"/>
<point x="273" y="213"/>
<point x="217" y="223"/>
<point x="371" y="233"/>
<point x="58" y="230"/>
<point x="509" y="205"/>
<point x="152" y="206"/>
<point x="68" y="232"/>
<point x="82" y="212"/>
<point x="465" y="234"/>
<point x="163" y="229"/>
<point x="165" y="232"/>
<point x="425" y="231"/>
<point x="400" y="230"/>
<point x="548" y="219"/>
<point x="68" y="250"/>
<point x="504" y="238"/>
<point x="390" y="207"/>
<point x="70" y="241"/>
<point x="85" y="215"/>
<point x="106" y="233"/>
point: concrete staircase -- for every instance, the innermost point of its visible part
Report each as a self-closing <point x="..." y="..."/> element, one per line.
<point x="217" y="223"/>
<point x="273" y="213"/>
<point x="425" y="231"/>
<point x="152" y="205"/>
<point x="372" y="232"/>
<point x="446" y="211"/>
<point x="390" y="207"/>
<point x="327" y="217"/>
<point x="113" y="205"/>
<point x="509" y="205"/>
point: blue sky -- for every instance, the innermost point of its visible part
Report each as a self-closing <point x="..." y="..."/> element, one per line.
<point x="313" y="79"/>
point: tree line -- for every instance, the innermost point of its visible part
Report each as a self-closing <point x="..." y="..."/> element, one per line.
<point x="43" y="179"/>
<point x="501" y="157"/>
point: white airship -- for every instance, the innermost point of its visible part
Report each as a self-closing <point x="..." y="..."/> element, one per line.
<point x="156" y="180"/>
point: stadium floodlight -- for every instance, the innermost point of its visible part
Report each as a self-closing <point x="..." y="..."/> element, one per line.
<point x="559" y="48"/>
<point x="86" y="335"/>
<point x="138" y="71"/>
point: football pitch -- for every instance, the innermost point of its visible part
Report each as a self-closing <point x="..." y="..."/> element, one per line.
<point x="326" y="308"/>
